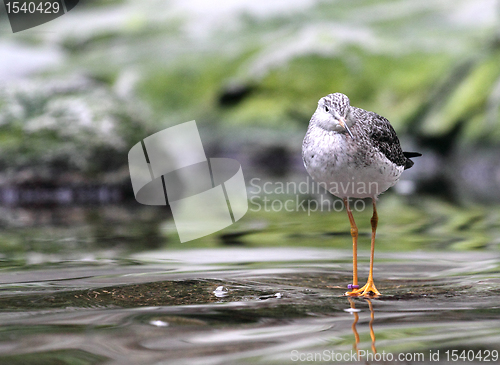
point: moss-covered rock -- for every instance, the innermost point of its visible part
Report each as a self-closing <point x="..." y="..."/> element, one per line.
<point x="69" y="129"/>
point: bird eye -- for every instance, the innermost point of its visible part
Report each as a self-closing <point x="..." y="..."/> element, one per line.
<point x="327" y="109"/>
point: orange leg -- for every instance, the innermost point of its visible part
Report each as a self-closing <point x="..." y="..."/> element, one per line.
<point x="354" y="234"/>
<point x="369" y="289"/>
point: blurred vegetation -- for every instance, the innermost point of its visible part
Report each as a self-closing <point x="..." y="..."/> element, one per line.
<point x="426" y="66"/>
<point x="469" y="97"/>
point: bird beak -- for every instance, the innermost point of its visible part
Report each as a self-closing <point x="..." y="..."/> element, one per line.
<point x="343" y="124"/>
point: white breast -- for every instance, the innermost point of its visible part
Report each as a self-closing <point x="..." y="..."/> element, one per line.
<point x="345" y="171"/>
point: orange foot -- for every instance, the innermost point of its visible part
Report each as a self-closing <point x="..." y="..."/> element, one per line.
<point x="368" y="290"/>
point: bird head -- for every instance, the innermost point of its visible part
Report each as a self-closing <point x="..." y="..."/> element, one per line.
<point x="332" y="113"/>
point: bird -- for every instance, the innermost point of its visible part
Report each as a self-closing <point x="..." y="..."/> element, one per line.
<point x="354" y="153"/>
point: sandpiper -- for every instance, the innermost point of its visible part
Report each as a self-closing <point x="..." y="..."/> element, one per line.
<point x="353" y="153"/>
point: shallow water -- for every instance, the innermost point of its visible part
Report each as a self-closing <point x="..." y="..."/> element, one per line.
<point x="276" y="305"/>
<point x="113" y="284"/>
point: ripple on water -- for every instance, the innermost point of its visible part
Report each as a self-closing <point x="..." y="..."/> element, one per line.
<point x="166" y="307"/>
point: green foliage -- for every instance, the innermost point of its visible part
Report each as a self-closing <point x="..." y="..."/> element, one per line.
<point x="389" y="56"/>
<point x="471" y="101"/>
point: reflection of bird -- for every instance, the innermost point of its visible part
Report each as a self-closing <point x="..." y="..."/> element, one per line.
<point x="353" y="153"/>
<point x="355" y="322"/>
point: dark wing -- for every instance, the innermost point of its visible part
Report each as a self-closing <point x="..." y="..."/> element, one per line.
<point x="384" y="138"/>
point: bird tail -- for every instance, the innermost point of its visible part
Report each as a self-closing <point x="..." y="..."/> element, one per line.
<point x="412" y="154"/>
<point x="409" y="163"/>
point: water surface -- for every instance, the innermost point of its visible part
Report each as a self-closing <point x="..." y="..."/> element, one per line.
<point x="247" y="305"/>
